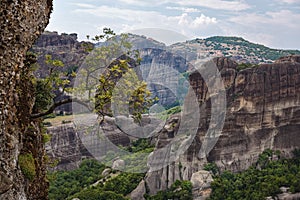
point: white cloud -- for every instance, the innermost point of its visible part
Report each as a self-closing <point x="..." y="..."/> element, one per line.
<point x="84" y="5"/>
<point x="148" y="18"/>
<point x="215" y="4"/>
<point x="184" y="9"/>
<point x="288" y="1"/>
<point x="233" y="5"/>
<point x="143" y="2"/>
<point x="283" y="18"/>
<point x="272" y="28"/>
<point x="118" y="13"/>
<point x="187" y="21"/>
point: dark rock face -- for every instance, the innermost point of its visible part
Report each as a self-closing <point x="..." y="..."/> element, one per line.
<point x="21" y="24"/>
<point x="64" y="47"/>
<point x="263" y="112"/>
<point x="67" y="147"/>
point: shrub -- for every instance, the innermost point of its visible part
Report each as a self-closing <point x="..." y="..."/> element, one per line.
<point x="46" y="138"/>
<point x="26" y="162"/>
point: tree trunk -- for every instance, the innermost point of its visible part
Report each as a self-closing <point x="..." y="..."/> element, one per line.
<point x="21" y="22"/>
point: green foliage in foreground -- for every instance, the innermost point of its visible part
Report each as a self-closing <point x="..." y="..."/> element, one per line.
<point x="261" y="181"/>
<point x="97" y="194"/>
<point x="123" y="183"/>
<point x="66" y="183"/>
<point x="78" y="183"/>
<point x="179" y="190"/>
<point x="114" y="188"/>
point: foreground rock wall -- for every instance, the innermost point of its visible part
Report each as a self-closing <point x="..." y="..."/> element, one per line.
<point x="21" y="24"/>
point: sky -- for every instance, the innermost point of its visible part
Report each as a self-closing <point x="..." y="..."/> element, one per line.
<point x="274" y="23"/>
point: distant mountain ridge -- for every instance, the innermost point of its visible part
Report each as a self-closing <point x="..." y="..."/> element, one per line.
<point x="236" y="48"/>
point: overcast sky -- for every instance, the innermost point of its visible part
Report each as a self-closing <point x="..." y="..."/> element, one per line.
<point x="274" y="23"/>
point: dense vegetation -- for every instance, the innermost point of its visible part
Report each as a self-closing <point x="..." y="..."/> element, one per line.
<point x="81" y="183"/>
<point x="116" y="185"/>
<point x="179" y="190"/>
<point x="66" y="183"/>
<point x="88" y="183"/>
<point x="259" y="181"/>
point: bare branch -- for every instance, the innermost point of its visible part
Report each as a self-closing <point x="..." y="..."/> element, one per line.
<point x="59" y="103"/>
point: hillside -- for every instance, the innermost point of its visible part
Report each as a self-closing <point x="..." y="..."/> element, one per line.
<point x="236" y="48"/>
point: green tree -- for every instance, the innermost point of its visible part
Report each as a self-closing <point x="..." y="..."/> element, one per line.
<point x="102" y="69"/>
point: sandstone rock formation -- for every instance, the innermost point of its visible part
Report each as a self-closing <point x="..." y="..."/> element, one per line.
<point x="66" y="147"/>
<point x="162" y="71"/>
<point x="201" y="181"/>
<point x="262" y="113"/>
<point x="64" y="47"/>
<point x="69" y="148"/>
<point x="21" y="23"/>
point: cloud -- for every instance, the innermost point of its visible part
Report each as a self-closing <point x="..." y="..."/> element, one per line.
<point x="273" y="29"/>
<point x="235" y="5"/>
<point x="144" y="3"/>
<point x="187" y="21"/>
<point x="215" y="4"/>
<point x="282" y="18"/>
<point x="147" y="18"/>
<point x="84" y="5"/>
<point x="288" y="1"/>
<point x="118" y="13"/>
<point x="183" y="9"/>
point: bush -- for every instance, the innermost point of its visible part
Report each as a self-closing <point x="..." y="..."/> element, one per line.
<point x="260" y="182"/>
<point x="179" y="190"/>
<point x="46" y="138"/>
<point x="97" y="194"/>
<point x="123" y="183"/>
<point x="27" y="165"/>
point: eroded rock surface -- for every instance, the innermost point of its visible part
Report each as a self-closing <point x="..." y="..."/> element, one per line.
<point x="263" y="112"/>
<point x="21" y="24"/>
<point x="70" y="146"/>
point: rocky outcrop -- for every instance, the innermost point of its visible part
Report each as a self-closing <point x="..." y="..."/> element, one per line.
<point x="289" y="196"/>
<point x="137" y="194"/>
<point x="263" y="112"/>
<point x="162" y="70"/>
<point x="66" y="147"/>
<point x="69" y="146"/>
<point x="201" y="181"/>
<point x="64" y="47"/>
<point x="21" y="24"/>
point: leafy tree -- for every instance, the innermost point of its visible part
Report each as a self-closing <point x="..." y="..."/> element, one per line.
<point x="212" y="167"/>
<point x="97" y="194"/>
<point x="258" y="182"/>
<point x="97" y="79"/>
<point x="123" y="183"/>
<point x="178" y="190"/>
<point x="66" y="183"/>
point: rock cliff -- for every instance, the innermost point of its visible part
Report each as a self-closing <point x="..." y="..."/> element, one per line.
<point x="263" y="111"/>
<point x="69" y="147"/>
<point x="21" y="23"/>
<point x="64" y="47"/>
